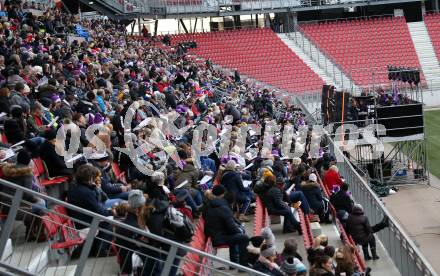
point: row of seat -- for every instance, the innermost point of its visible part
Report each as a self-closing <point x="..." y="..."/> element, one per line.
<point x="249" y="48"/>
<point x="432" y="22"/>
<point x="359" y="45"/>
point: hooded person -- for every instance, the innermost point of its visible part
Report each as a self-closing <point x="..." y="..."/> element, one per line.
<point x="266" y="262"/>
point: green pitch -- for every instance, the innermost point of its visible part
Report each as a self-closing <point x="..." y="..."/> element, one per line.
<point x="432" y="124"/>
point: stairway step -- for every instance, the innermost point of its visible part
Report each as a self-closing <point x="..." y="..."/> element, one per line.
<point x="60" y="271"/>
<point x="31" y="256"/>
<point x="8" y="250"/>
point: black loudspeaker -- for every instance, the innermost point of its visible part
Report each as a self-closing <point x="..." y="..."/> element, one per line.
<point x="401" y="120"/>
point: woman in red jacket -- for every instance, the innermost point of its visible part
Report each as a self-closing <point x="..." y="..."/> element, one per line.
<point x="332" y="178"/>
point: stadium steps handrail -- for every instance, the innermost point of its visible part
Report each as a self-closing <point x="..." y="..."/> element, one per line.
<point x="17" y="202"/>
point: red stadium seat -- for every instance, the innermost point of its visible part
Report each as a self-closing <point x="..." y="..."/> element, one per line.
<point x="257" y="53"/>
<point x="432" y="22"/>
<point x="363" y="47"/>
<point x="41" y="172"/>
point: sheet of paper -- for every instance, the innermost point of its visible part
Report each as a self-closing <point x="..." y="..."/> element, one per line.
<point x="205" y="179"/>
<point x="9" y="153"/>
<point x="181" y="184"/>
<point x="252" y="133"/>
<point x="247" y="183"/>
<point x="142" y="124"/>
<point x="248" y="166"/>
<point x="251" y="145"/>
<point x="288" y="191"/>
<point x="74" y="158"/>
<point x="18" y="144"/>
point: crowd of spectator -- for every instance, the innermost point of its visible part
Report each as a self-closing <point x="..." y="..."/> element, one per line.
<point x="49" y="83"/>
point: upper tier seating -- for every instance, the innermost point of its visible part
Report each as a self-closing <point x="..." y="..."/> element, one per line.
<point x="363" y="47"/>
<point x="432" y="22"/>
<point x="257" y="53"/>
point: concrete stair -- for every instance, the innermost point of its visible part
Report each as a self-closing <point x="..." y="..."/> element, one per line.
<point x="318" y="62"/>
<point x="428" y="61"/>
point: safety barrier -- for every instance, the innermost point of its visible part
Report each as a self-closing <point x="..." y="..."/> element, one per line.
<point x="344" y="236"/>
<point x="406" y="256"/>
<point x="56" y="242"/>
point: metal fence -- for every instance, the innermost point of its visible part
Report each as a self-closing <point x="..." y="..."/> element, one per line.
<point x="324" y="61"/>
<point x="55" y="243"/>
<point x="400" y="247"/>
<point x="152" y="8"/>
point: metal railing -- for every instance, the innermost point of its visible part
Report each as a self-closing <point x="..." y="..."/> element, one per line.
<point x="92" y="246"/>
<point x="408" y="259"/>
<point x="326" y="62"/>
<point x="154" y="8"/>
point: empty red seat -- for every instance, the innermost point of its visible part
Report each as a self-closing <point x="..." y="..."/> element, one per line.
<point x="258" y="53"/>
<point x="432" y="22"/>
<point x="366" y="46"/>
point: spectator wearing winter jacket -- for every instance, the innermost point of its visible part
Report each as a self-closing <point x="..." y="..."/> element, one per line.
<point x="268" y="254"/>
<point x="136" y="201"/>
<point x="35" y="120"/>
<point x="230" y="109"/>
<point x="273" y="201"/>
<point x="342" y="202"/>
<point x="19" y="96"/>
<point x="358" y="226"/>
<point x="232" y="181"/>
<point x="55" y="163"/>
<point x="113" y="190"/>
<point x="15" y="127"/>
<point x="223" y="228"/>
<point x="332" y="178"/>
<point x="20" y="173"/>
<point x="187" y="173"/>
<point x="312" y="192"/>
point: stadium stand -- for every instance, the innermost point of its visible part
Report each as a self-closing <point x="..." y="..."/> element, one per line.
<point x="432" y="21"/>
<point x="115" y="219"/>
<point x="257" y="53"/>
<point x="365" y="47"/>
